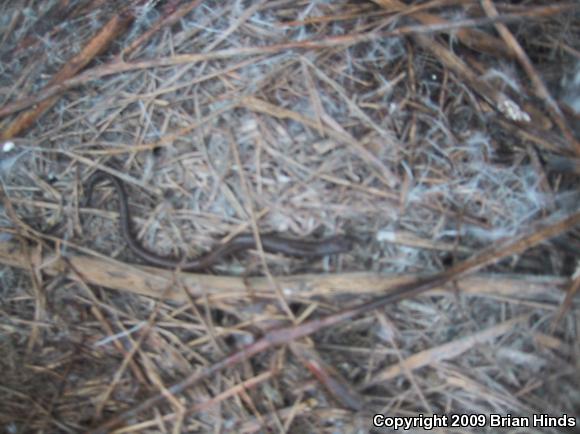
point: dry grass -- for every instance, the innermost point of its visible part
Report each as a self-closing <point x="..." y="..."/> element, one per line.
<point x="442" y="137"/>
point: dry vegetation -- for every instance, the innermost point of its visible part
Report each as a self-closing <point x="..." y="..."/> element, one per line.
<point x="444" y="138"/>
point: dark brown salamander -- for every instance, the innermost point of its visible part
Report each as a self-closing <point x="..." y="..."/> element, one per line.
<point x="271" y="243"/>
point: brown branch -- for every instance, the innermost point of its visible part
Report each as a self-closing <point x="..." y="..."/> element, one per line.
<point x="152" y="282"/>
<point x="97" y="45"/>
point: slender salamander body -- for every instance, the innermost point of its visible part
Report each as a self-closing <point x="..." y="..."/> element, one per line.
<point x="271" y="243"/>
